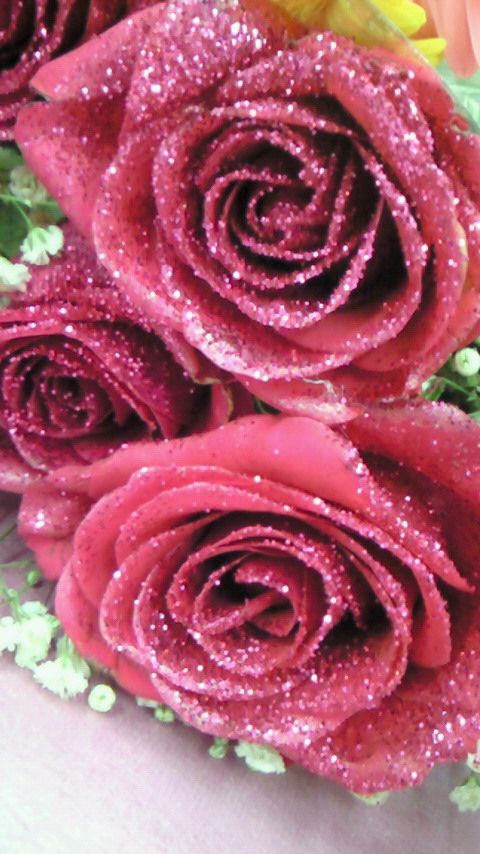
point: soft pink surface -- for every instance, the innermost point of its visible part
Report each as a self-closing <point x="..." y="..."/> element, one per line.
<point x="76" y="781"/>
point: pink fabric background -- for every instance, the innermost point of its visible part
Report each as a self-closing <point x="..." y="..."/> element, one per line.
<point x="73" y="780"/>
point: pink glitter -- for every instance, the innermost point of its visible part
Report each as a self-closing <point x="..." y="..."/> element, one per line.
<point x="81" y="375"/>
<point x="301" y="209"/>
<point x="330" y="610"/>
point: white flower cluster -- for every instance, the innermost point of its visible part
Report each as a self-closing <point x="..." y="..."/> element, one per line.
<point x="27" y="202"/>
<point x="28" y="634"/>
<point x="467" y="796"/>
<point x="41" y="244"/>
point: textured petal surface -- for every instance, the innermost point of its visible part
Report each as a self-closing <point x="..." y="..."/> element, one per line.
<point x="32" y="32"/>
<point x="80" y="375"/>
<point x="299" y="208"/>
<point x="324" y="602"/>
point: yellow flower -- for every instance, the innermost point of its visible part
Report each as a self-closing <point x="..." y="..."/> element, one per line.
<point x="359" y="19"/>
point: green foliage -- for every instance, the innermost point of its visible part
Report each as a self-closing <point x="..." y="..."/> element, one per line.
<point x="9" y="158"/>
<point x="24" y="204"/>
<point x="452" y="387"/>
<point x="14" y="226"/>
<point x="466" y="92"/>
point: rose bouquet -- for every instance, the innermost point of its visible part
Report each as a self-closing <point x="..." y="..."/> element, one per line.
<point x="240" y="387"/>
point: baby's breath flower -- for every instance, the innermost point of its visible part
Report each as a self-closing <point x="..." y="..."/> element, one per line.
<point x="260" y="757"/>
<point x="25" y="186"/>
<point x="33" y="608"/>
<point x="164" y="714"/>
<point x="467" y="797"/>
<point x="102" y="698"/>
<point x="41" y="243"/>
<point x="13" y="277"/>
<point x="9" y="634"/>
<point x="68" y="675"/>
<point x="219" y="748"/>
<point x="35" y="635"/>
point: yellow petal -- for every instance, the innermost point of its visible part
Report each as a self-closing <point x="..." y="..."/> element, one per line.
<point x="409" y="17"/>
<point x="432" y="49"/>
<point x="308" y="12"/>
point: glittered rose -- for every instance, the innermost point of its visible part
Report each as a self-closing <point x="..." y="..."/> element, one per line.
<point x="304" y="210"/>
<point x="32" y="32"/>
<point x="80" y="376"/>
<point x="325" y="603"/>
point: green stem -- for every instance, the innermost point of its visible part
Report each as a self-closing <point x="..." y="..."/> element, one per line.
<point x="454" y="385"/>
<point x="17" y="204"/>
<point x="11" y="598"/>
<point x="6" y="533"/>
<point x="16" y="564"/>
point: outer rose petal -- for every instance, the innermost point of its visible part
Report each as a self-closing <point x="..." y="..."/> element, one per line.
<point x="69" y="162"/>
<point x="15" y="475"/>
<point x="389" y="431"/>
<point x="260" y="443"/>
<point x="31" y="33"/>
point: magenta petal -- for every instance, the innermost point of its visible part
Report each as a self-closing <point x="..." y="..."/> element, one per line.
<point x="70" y="160"/>
<point x="107" y="60"/>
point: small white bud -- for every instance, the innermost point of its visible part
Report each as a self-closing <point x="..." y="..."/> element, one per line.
<point x="466" y="362"/>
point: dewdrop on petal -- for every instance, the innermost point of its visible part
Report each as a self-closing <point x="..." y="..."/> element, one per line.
<point x="13" y="277"/>
<point x="466" y="362"/>
<point x="41" y="243"/>
<point x="260" y="757"/>
<point x="25" y="186"/>
<point x="467" y="796"/>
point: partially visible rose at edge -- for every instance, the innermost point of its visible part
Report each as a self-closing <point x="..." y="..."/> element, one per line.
<point x="458" y="23"/>
<point x="325" y="602"/>
<point x="81" y="375"/>
<point x="303" y="210"/>
<point x="33" y="32"/>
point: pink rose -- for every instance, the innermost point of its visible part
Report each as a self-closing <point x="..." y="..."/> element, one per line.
<point x="457" y="21"/>
<point x="32" y="32"/>
<point x="80" y="375"/>
<point x="303" y="210"/>
<point x="282" y="582"/>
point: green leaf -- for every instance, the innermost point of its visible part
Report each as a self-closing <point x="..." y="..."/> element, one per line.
<point x="9" y="158"/>
<point x="466" y="92"/>
<point x="13" y="229"/>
